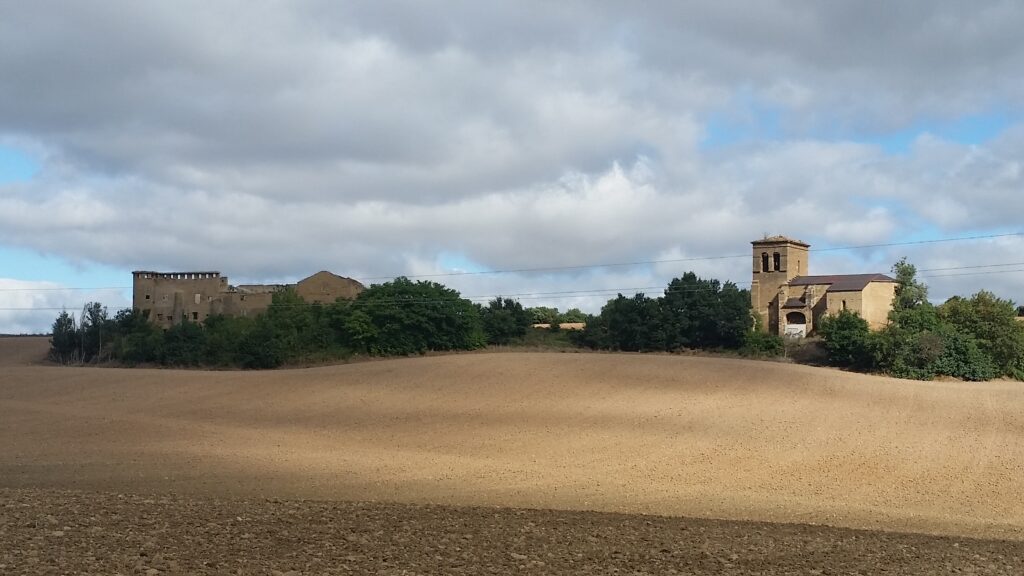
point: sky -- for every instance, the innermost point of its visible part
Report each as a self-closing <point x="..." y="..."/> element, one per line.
<point x="269" y="140"/>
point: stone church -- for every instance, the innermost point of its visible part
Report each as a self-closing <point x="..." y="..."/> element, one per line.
<point x="790" y="302"/>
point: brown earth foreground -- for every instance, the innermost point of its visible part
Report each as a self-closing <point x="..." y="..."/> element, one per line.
<point x="196" y="455"/>
<point x="56" y="532"/>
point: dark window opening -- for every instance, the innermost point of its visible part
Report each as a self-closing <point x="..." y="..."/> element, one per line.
<point x="195" y="315"/>
<point x="777" y="261"/>
<point x="796" y="318"/>
<point x="844" y="304"/>
<point x="764" y="262"/>
<point x="147" y="296"/>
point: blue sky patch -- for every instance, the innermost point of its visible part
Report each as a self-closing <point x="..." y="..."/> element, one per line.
<point x="29" y="265"/>
<point x="457" y="262"/>
<point x="974" y="129"/>
<point x="16" y="166"/>
<point x="747" y="120"/>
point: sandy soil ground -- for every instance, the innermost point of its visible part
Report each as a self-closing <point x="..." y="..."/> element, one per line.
<point x="678" y="436"/>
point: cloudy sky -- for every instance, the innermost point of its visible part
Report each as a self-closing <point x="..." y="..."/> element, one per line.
<point x="269" y="140"/>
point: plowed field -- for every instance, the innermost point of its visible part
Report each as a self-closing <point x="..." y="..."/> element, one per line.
<point x="631" y="434"/>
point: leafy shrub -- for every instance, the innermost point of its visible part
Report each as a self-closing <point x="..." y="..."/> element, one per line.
<point x="963" y="358"/>
<point x="504" y="320"/>
<point x="992" y="323"/>
<point x="411" y="318"/>
<point x="184" y="344"/>
<point x="848" y="340"/>
<point x="760" y="344"/>
<point x="261" y="347"/>
<point x="692" y="313"/>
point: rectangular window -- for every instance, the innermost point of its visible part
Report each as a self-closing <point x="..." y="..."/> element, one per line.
<point x="198" y="298"/>
<point x="147" y="296"/>
<point x="195" y="315"/>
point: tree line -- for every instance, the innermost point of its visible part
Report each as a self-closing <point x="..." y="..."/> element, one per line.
<point x="976" y="338"/>
<point x="692" y="313"/>
<point x="405" y="317"/>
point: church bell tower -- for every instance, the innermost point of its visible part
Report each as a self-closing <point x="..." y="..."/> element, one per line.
<point x="777" y="260"/>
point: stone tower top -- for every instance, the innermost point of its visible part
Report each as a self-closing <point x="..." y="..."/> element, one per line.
<point x="780" y="257"/>
<point x="777" y="240"/>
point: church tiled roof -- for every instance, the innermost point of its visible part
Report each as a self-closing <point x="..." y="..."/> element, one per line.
<point x="841" y="282"/>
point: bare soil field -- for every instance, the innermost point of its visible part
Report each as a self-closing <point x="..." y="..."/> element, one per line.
<point x="440" y="437"/>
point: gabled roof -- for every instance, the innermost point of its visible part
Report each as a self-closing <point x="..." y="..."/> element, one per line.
<point x="324" y="273"/>
<point x="841" y="282"/>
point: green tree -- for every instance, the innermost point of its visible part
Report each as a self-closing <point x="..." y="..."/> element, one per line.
<point x="301" y="329"/>
<point x="360" y="334"/>
<point x="95" y="332"/>
<point x="415" y="317"/>
<point x="573" y="316"/>
<point x="184" y="344"/>
<point x="910" y="292"/>
<point x="543" y="315"/>
<point x="136" y="340"/>
<point x="762" y="345"/>
<point x="699" y="313"/>
<point x="633" y="324"/>
<point x="962" y="357"/>
<point x="992" y="323"/>
<point x="261" y="346"/>
<point x="224" y="337"/>
<point x="848" y="340"/>
<point x="504" y="320"/>
<point x="64" y="340"/>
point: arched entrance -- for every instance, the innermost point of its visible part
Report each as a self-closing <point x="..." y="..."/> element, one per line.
<point x="796" y="324"/>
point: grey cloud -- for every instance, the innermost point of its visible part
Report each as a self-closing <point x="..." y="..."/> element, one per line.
<point x="273" y="139"/>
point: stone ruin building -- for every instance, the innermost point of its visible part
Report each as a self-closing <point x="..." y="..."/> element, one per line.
<point x="791" y="303"/>
<point x="168" y="298"/>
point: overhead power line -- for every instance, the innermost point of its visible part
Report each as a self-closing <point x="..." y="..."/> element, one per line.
<point x="559" y="295"/>
<point x="694" y="258"/>
<point x="634" y="263"/>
